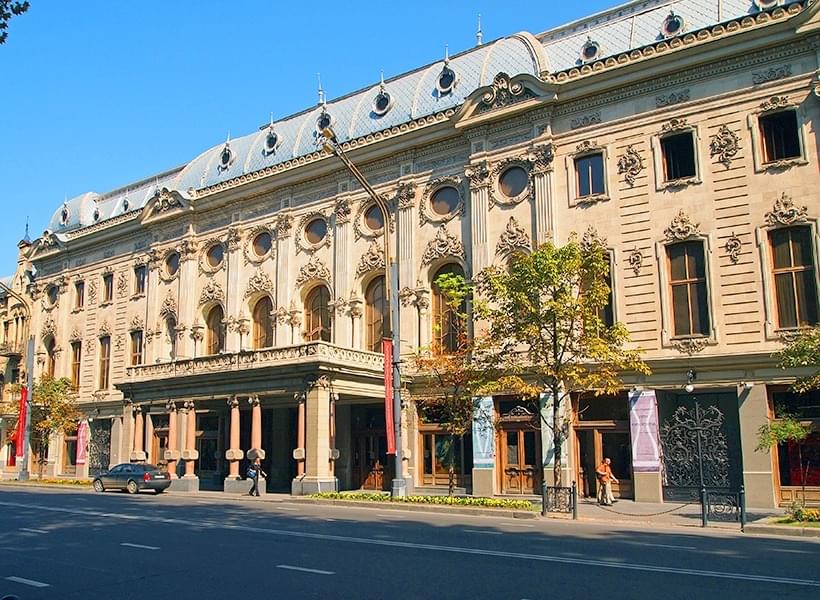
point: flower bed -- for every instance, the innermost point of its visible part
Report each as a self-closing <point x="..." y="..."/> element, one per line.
<point x="437" y="500"/>
<point x="800" y="514"/>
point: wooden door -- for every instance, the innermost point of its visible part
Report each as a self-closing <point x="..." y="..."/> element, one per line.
<point x="370" y="462"/>
<point x="520" y="461"/>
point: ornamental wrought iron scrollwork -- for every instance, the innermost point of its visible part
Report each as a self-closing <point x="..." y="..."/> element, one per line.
<point x="630" y="165"/>
<point x="99" y="446"/>
<point x="695" y="452"/>
<point x="724" y="145"/>
<point x="723" y="506"/>
<point x="558" y="499"/>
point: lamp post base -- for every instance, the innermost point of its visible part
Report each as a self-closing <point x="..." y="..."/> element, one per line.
<point x="23" y="475"/>
<point x="398" y="488"/>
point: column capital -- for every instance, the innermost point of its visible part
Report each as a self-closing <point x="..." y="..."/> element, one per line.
<point x="253" y="400"/>
<point x="233" y="402"/>
<point x="189" y="405"/>
<point x="137" y="409"/>
<point x="171" y="406"/>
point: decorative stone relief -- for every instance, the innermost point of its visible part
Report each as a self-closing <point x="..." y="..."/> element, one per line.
<point x="673" y="125"/>
<point x="90" y="345"/>
<point x="136" y="324"/>
<point x="630" y="164"/>
<point x="784" y="212"/>
<point x="284" y="222"/>
<point x="315" y="269"/>
<point x="76" y="335"/>
<point x="339" y="305"/>
<point x="371" y="260"/>
<point x="672" y="98"/>
<point x="774" y="103"/>
<point x="92" y="292"/>
<point x="771" y="74"/>
<point x="681" y="228"/>
<point x="122" y="284"/>
<point x="586" y="146"/>
<point x="406" y="296"/>
<point x="119" y="342"/>
<point x="724" y="145"/>
<point x="591" y="239"/>
<point x="635" y="260"/>
<point x="478" y="175"/>
<point x="282" y="315"/>
<point x="187" y="250"/>
<point x="342" y="210"/>
<point x="503" y="92"/>
<point x="212" y="292"/>
<point x="733" y="246"/>
<point x="250" y="254"/>
<point x="166" y="201"/>
<point x="444" y="244"/>
<point x="406" y="195"/>
<point x="690" y="345"/>
<point x="514" y="238"/>
<point x="48" y="329"/>
<point x="361" y="230"/>
<point x="259" y="282"/>
<point x="105" y="329"/>
<point x="585" y="121"/>
<point x="169" y="306"/>
<point x="234" y="238"/>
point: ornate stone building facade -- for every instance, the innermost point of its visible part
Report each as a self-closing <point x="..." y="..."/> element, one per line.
<point x="231" y="308"/>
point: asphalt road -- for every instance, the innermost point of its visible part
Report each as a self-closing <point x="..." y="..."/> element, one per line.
<point x="66" y="544"/>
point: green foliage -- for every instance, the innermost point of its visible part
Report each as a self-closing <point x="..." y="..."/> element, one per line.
<point x="787" y="429"/>
<point x="9" y="9"/>
<point x="438" y="500"/>
<point x="546" y="332"/>
<point x="55" y="407"/>
<point x="802" y="352"/>
<point x="799" y="513"/>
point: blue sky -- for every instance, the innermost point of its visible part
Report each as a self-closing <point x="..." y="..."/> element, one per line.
<point x="98" y="94"/>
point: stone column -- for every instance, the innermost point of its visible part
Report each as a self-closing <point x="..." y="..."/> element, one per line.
<point x="256" y="450"/>
<point x="334" y="452"/>
<point x="187" y="286"/>
<point x="318" y="476"/>
<point x="404" y="247"/>
<point x="189" y="482"/>
<point x="233" y="294"/>
<point x="480" y="182"/>
<point x="542" y="171"/>
<point x="124" y="434"/>
<point x="284" y="222"/>
<point x="233" y="482"/>
<point x="299" y="452"/>
<point x="149" y="438"/>
<point x="296" y="325"/>
<point x="645" y="440"/>
<point x="425" y="326"/>
<point x="356" y="312"/>
<point x="138" y="453"/>
<point x="172" y="453"/>
<point x="342" y="266"/>
<point x="758" y="479"/>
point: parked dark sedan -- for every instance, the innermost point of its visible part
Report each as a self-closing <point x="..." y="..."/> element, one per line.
<point x="133" y="477"/>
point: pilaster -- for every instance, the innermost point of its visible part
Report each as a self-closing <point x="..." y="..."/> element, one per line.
<point x="284" y="223"/>
<point x="480" y="181"/>
<point x="234" y="311"/>
<point x="542" y="175"/>
<point x="318" y="470"/>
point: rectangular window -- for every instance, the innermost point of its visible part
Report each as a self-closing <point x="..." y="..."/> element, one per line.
<point x="105" y="361"/>
<point x="590" y="173"/>
<point x="76" y="357"/>
<point x="795" y="281"/>
<point x="79" y="294"/>
<point x="607" y="312"/>
<point x="108" y="287"/>
<point x="781" y="139"/>
<point x="687" y="275"/>
<point x="136" y="347"/>
<point x="139" y="280"/>
<point x="678" y="156"/>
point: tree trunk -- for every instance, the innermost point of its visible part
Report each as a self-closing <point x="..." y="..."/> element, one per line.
<point x="451" y="471"/>
<point x="557" y="437"/>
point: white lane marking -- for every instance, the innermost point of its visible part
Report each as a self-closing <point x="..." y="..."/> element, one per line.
<point x="664" y="546"/>
<point x="483" y="531"/>
<point x="31" y="582"/>
<point x="142" y="547"/>
<point x="385" y="516"/>
<point x="284" y="508"/>
<point x="520" y="524"/>
<point x="305" y="570"/>
<point x="735" y="575"/>
<point x="33" y="530"/>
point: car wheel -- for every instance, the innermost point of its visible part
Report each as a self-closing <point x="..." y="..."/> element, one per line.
<point x="159" y="490"/>
<point x="98" y="486"/>
<point x="131" y="487"/>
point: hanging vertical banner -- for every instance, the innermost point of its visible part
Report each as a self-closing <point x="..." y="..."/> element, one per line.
<point x="483" y="433"/>
<point x="387" y="350"/>
<point x="83" y="432"/>
<point x="643" y="427"/>
<point x="21" y="421"/>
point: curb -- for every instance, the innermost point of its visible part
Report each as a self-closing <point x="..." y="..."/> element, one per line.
<point x="36" y="484"/>
<point x="789" y="531"/>
<point x="406" y="506"/>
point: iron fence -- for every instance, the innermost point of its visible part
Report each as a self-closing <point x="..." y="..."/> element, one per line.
<point x="559" y="499"/>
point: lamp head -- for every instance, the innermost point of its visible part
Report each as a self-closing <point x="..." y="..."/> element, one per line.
<point x="689" y="388"/>
<point x="690" y="377"/>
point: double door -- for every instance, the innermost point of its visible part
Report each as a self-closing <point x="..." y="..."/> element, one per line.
<point x="520" y="454"/>
<point x="593" y="444"/>
<point x="372" y="468"/>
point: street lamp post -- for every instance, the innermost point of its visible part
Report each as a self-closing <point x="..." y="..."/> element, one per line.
<point x="331" y="145"/>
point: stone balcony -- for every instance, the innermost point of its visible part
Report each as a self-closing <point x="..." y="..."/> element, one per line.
<point x="11" y="349"/>
<point x="313" y="355"/>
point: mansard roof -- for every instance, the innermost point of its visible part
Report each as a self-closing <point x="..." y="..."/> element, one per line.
<point x="415" y="95"/>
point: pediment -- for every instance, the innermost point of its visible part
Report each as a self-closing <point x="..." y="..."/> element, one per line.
<point x="504" y="96"/>
<point x="165" y="203"/>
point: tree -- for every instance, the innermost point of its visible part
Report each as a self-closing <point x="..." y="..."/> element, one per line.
<point x="802" y="352"/>
<point x="785" y="429"/>
<point x="9" y="9"/>
<point x="546" y="331"/>
<point x="453" y="377"/>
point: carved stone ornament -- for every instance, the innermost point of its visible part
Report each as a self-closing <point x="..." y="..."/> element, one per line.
<point x="136" y="324"/>
<point x="674" y="125"/>
<point x="105" y="329"/>
<point x="672" y="98"/>
<point x="284" y="222"/>
<point x="690" y="346"/>
<point x="90" y="344"/>
<point x="406" y="195"/>
<point x="187" y="249"/>
<point x="119" y="342"/>
<point x="371" y="260"/>
<point x="234" y="238"/>
<point x="630" y="164"/>
<point x="542" y="157"/>
<point x="586" y="120"/>
<point x="212" y="292"/>
<point x="249" y="253"/>
<point x="478" y="175"/>
<point x="514" y="238"/>
<point x="122" y="284"/>
<point x="76" y="335"/>
<point x="169" y="307"/>
<point x="724" y="145"/>
<point x="339" y="305"/>
<point x="166" y="200"/>
<point x="407" y="296"/>
<point x="92" y="292"/>
<point x="733" y="246"/>
<point x="815" y="83"/>
<point x="591" y="239"/>
<point x="259" y="282"/>
<point x="586" y="146"/>
<point x="342" y="210"/>
<point x="784" y="212"/>
<point x="774" y="103"/>
<point x="315" y="269"/>
<point x="771" y="74"/>
<point x="444" y="244"/>
<point x="503" y="92"/>
<point x="681" y="228"/>
<point x="48" y="329"/>
<point x="426" y="214"/>
<point x="282" y="315"/>
<point x="635" y="260"/>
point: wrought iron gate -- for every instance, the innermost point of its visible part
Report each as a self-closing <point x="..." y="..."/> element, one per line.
<point x="99" y="446"/>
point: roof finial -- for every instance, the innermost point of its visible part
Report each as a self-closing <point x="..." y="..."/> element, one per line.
<point x="479" y="35"/>
<point x="446" y="54"/>
<point x="321" y="91"/>
<point x="228" y="139"/>
<point x="381" y="82"/>
<point x="26" y="238"/>
<point x="271" y="120"/>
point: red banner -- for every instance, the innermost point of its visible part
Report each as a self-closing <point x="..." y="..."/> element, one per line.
<point x="83" y="433"/>
<point x="21" y="421"/>
<point x="387" y="349"/>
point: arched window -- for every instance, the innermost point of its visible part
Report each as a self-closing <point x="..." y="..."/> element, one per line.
<point x="171" y="336"/>
<point x="446" y="324"/>
<point x="51" y="357"/>
<point x="263" y="323"/>
<point x="317" y="315"/>
<point x="375" y="314"/>
<point x="215" y="340"/>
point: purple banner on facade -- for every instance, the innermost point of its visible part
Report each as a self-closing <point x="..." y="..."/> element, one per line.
<point x="643" y="425"/>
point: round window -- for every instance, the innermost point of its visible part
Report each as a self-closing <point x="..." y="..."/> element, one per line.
<point x="513" y="181"/>
<point x="172" y="264"/>
<point x="96" y="214"/>
<point x="215" y="255"/>
<point x="324" y="121"/>
<point x="315" y="231"/>
<point x="446" y="80"/>
<point x="125" y="205"/>
<point x="52" y="293"/>
<point x="64" y="216"/>
<point x="226" y="157"/>
<point x="445" y="200"/>
<point x="373" y="218"/>
<point x="673" y="25"/>
<point x="262" y="244"/>
<point x="382" y="103"/>
<point x="590" y="50"/>
<point x="270" y="141"/>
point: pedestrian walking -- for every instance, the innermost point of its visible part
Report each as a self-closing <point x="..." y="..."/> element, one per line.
<point x="605" y="479"/>
<point x="254" y="471"/>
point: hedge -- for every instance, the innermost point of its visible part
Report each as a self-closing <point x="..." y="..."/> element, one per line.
<point x="438" y="500"/>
